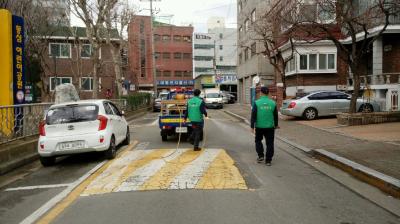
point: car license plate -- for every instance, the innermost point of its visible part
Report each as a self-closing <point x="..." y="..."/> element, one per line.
<point x="181" y="130"/>
<point x="72" y="145"/>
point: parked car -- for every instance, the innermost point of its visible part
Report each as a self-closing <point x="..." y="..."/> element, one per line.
<point x="81" y="126"/>
<point x="157" y="101"/>
<point x="225" y="97"/>
<point x="324" y="103"/>
<point x="232" y="98"/>
<point x="213" y="98"/>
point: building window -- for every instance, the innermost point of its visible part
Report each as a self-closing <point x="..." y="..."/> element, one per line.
<point x="60" y="50"/>
<point x="177" y="38"/>
<point x="86" y="51"/>
<point x="86" y="83"/>
<point x="203" y="58"/>
<point x="221" y="36"/>
<point x="291" y="65"/>
<point x="221" y="58"/>
<point x="157" y="37"/>
<point x="188" y="74"/>
<point x="203" y="46"/>
<point x="158" y="73"/>
<point x="178" y="55"/>
<point x="55" y="81"/>
<point x="167" y="73"/>
<point x="166" y="55"/>
<point x="187" y="56"/>
<point x="253" y="16"/>
<point x="178" y="73"/>
<point x="312" y="62"/>
<point x="247" y="25"/>
<point x="240" y="6"/>
<point x="187" y="38"/>
<point x="157" y="55"/>
<point x="166" y="38"/>
<point x="240" y="58"/>
<point x="141" y="26"/>
<point x="221" y="47"/>
<point x="318" y="62"/>
<point x="202" y="69"/>
<point x="253" y="49"/>
<point x="240" y="31"/>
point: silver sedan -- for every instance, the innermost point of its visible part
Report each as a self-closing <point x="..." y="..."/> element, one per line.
<point x="324" y="103"/>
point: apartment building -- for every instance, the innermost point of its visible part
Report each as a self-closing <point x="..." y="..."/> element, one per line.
<point x="251" y="62"/>
<point x="173" y="66"/>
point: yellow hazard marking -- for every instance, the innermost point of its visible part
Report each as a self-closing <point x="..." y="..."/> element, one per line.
<point x="222" y="174"/>
<point x="53" y="213"/>
<point x="136" y="164"/>
<point x="163" y="178"/>
<point x="173" y="120"/>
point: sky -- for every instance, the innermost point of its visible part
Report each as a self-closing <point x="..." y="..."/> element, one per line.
<point x="185" y="12"/>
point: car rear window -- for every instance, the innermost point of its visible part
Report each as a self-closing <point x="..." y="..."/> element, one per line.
<point x="72" y="114"/>
<point x="213" y="95"/>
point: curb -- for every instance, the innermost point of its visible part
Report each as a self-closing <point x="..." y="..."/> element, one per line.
<point x="377" y="179"/>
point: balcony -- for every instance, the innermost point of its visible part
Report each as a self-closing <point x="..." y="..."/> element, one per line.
<point x="376" y="80"/>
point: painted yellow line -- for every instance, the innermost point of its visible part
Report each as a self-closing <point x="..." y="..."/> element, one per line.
<point x="163" y="178"/>
<point x="53" y="213"/>
<point x="222" y="174"/>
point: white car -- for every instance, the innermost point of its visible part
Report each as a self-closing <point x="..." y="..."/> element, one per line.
<point x="81" y="126"/>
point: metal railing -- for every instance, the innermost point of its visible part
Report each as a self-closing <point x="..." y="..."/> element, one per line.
<point x="19" y="121"/>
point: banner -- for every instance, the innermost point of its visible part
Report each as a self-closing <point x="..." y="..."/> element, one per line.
<point x="18" y="59"/>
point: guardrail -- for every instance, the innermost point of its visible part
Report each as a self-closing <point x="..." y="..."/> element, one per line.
<point x="19" y="121"/>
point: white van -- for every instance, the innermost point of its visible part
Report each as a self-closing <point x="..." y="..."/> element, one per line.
<point x="213" y="98"/>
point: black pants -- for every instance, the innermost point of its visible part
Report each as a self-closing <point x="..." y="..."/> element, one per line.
<point x="269" y="134"/>
<point x="197" y="132"/>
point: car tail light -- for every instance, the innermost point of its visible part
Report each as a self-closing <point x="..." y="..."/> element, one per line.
<point x="103" y="122"/>
<point x="41" y="146"/>
<point x="292" y="105"/>
<point x="101" y="139"/>
<point x="42" y="131"/>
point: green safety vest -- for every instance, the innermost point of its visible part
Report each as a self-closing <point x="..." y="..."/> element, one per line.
<point x="194" y="113"/>
<point x="265" y="113"/>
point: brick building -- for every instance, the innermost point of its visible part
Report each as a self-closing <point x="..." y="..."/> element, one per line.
<point x="172" y="53"/>
<point x="68" y="60"/>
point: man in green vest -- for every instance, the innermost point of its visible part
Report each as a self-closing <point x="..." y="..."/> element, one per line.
<point x="264" y="121"/>
<point x="195" y="110"/>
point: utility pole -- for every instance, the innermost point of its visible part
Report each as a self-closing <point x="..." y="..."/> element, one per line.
<point x="153" y="70"/>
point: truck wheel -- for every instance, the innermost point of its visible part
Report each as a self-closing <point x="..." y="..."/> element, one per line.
<point x="164" y="136"/>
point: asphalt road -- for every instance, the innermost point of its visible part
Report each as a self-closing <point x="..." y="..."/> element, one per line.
<point x="147" y="189"/>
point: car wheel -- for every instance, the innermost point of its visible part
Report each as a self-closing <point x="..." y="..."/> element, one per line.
<point x="366" y="108"/>
<point x="310" y="113"/>
<point x="47" y="161"/>
<point x="127" y="137"/>
<point x="111" y="152"/>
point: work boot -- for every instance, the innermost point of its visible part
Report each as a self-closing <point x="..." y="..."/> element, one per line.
<point x="260" y="159"/>
<point x="268" y="163"/>
<point x="197" y="149"/>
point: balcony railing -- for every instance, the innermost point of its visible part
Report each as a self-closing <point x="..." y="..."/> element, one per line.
<point x="382" y="79"/>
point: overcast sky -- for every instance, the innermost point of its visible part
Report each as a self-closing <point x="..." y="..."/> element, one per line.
<point x="185" y="12"/>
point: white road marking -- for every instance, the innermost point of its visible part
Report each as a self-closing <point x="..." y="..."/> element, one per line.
<point x="140" y="176"/>
<point x="38" y="187"/>
<point x="193" y="172"/>
<point x="52" y="202"/>
<point x="109" y="179"/>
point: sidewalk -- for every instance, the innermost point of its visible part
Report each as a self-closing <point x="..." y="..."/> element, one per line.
<point x="368" y="145"/>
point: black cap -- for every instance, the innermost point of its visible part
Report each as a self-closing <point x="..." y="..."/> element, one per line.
<point x="264" y="90"/>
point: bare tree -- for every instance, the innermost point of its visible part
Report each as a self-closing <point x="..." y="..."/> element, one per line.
<point x="352" y="25"/>
<point x="93" y="15"/>
<point x="117" y="21"/>
<point x="267" y="29"/>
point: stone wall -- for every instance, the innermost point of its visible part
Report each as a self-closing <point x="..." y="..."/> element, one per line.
<point x="367" y="118"/>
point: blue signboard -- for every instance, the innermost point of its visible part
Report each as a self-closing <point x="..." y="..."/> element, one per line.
<point x="175" y="82"/>
<point x="18" y="59"/>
